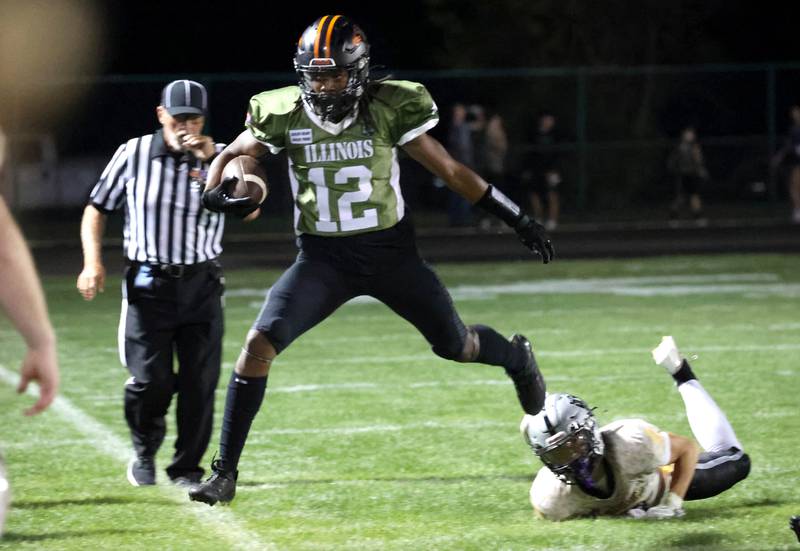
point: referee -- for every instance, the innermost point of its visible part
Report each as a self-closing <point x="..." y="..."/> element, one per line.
<point x="173" y="285"/>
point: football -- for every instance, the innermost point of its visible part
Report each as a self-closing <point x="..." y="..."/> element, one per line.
<point x="251" y="178"/>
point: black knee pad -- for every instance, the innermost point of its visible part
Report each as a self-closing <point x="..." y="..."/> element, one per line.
<point x="717" y="472"/>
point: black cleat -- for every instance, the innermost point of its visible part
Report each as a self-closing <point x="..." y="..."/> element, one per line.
<point x="220" y="486"/>
<point x="528" y="382"/>
<point x="142" y="471"/>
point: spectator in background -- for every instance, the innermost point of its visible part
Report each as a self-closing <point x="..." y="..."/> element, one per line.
<point x="542" y="174"/>
<point x="476" y="120"/>
<point x="460" y="146"/>
<point x="787" y="162"/>
<point x="687" y="167"/>
<point x="495" y="151"/>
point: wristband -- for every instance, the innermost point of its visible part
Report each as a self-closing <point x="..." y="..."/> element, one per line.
<point x="495" y="202"/>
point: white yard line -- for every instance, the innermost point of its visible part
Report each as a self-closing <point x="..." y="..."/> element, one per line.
<point x="500" y="381"/>
<point x="255" y="437"/>
<point x="34" y="443"/>
<point x="312" y="388"/>
<point x="670" y="285"/>
<point x="323" y="342"/>
<point x="222" y="522"/>
<point x="586" y="353"/>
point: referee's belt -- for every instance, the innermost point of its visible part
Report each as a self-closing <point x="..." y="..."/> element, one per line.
<point x="175" y="271"/>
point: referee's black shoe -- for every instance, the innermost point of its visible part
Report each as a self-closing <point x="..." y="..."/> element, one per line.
<point x="220" y="486"/>
<point x="528" y="382"/>
<point x="142" y="471"/>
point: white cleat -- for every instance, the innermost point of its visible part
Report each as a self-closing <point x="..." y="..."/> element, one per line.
<point x="667" y="355"/>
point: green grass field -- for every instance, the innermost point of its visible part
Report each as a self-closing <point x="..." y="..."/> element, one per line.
<point x="368" y="441"/>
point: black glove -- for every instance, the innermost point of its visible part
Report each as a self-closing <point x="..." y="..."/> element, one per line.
<point x="219" y="199"/>
<point x="534" y="236"/>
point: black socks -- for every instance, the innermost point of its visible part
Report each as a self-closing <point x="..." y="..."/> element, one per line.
<point x="244" y="398"/>
<point x="496" y="350"/>
<point x="513" y="357"/>
<point x="684" y="373"/>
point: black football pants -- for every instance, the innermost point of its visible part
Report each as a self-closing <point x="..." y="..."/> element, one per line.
<point x="312" y="289"/>
<point x="164" y="316"/>
<point x="716" y="472"/>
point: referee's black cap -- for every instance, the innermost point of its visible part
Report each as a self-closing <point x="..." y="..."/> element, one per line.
<point x="185" y="97"/>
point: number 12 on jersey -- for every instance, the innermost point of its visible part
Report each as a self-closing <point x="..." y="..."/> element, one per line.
<point x="325" y="194"/>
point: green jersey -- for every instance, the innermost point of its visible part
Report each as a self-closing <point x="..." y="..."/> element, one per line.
<point x="345" y="177"/>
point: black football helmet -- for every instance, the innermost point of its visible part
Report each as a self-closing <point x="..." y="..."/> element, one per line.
<point x="330" y="44"/>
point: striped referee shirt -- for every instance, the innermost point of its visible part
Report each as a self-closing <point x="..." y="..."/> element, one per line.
<point x="165" y="222"/>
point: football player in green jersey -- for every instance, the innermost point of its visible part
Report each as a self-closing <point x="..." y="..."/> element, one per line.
<point x="341" y="132"/>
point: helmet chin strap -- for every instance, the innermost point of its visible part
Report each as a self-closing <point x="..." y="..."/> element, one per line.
<point x="333" y="109"/>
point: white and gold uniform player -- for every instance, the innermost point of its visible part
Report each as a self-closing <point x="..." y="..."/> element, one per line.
<point x="631" y="466"/>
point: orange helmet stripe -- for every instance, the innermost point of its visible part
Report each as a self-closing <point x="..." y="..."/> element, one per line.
<point x="328" y="36"/>
<point x="319" y="31"/>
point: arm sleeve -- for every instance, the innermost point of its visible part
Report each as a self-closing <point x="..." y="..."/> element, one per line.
<point x="108" y="193"/>
<point x="265" y="126"/>
<point x="416" y="114"/>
